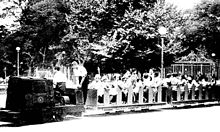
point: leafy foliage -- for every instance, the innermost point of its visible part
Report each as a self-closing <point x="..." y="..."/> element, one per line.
<point x="135" y="42"/>
<point x="112" y="34"/>
<point x="42" y="25"/>
<point x="93" y="23"/>
<point x="203" y="28"/>
<point x="3" y="61"/>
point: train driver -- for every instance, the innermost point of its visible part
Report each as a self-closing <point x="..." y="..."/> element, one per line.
<point x="59" y="80"/>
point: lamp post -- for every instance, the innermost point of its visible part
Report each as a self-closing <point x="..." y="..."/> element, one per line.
<point x="216" y="64"/>
<point x="17" y="49"/>
<point x="162" y="31"/>
<point x="5" y="72"/>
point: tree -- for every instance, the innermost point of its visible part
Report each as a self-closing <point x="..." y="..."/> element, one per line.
<point x="135" y="42"/>
<point x="203" y="29"/>
<point x="3" y="61"/>
<point x="91" y="23"/>
<point x="42" y="26"/>
<point x="114" y="34"/>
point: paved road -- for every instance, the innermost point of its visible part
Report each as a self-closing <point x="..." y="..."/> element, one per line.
<point x="205" y="119"/>
<point x="2" y="100"/>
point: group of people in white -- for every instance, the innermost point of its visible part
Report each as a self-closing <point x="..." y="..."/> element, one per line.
<point x="75" y="79"/>
<point x="136" y="81"/>
<point x="132" y="79"/>
<point x="78" y="74"/>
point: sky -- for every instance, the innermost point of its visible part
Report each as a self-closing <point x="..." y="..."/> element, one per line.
<point x="9" y="20"/>
<point x="184" y="4"/>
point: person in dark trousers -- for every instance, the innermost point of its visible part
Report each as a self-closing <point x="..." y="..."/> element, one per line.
<point x="82" y="79"/>
<point x="59" y="82"/>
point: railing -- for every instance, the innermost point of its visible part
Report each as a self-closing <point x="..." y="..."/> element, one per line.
<point x="174" y="94"/>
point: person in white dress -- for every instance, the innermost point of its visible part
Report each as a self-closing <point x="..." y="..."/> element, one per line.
<point x="97" y="84"/>
<point x="137" y="88"/>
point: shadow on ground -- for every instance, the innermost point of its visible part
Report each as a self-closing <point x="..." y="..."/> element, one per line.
<point x="8" y="119"/>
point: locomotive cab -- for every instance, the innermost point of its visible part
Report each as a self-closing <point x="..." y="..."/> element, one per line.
<point x="25" y="93"/>
<point x="35" y="99"/>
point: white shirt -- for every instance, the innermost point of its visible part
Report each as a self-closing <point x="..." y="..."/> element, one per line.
<point x="80" y="71"/>
<point x="59" y="77"/>
<point x="139" y="84"/>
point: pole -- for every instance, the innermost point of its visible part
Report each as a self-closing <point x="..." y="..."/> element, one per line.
<point x="217" y="67"/>
<point x="98" y="71"/>
<point x="162" y="30"/>
<point x="17" y="49"/>
<point x="17" y="62"/>
<point x="5" y="72"/>
<point x="162" y="61"/>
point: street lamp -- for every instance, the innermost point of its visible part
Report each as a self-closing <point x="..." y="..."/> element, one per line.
<point x="216" y="64"/>
<point x="162" y="31"/>
<point x="18" y="49"/>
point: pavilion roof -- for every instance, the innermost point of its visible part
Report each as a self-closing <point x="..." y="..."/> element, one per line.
<point x="195" y="58"/>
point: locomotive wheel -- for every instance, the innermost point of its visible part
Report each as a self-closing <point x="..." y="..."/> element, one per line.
<point x="57" y="118"/>
<point x="58" y="115"/>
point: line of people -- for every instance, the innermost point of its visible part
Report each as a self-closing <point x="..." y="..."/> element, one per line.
<point x="130" y="80"/>
<point x="133" y="80"/>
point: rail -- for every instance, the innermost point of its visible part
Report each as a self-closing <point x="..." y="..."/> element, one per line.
<point x="173" y="95"/>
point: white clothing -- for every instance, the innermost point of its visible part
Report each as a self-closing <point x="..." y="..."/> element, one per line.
<point x="204" y="83"/>
<point x="139" y="84"/>
<point x="119" y="85"/>
<point x="148" y="82"/>
<point x="59" y="77"/>
<point x="80" y="71"/>
<point x="97" y="85"/>
<point x="113" y="90"/>
<point x="192" y="83"/>
<point x="156" y="82"/>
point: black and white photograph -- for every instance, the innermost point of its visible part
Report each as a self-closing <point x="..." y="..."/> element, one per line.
<point x="110" y="65"/>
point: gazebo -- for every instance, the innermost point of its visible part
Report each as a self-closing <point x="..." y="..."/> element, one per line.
<point x="192" y="64"/>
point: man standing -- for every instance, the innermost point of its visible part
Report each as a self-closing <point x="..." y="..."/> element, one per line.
<point x="59" y="80"/>
<point x="59" y="84"/>
<point x="80" y="73"/>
